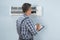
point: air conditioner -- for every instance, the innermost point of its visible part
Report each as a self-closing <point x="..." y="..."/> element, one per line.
<point x="16" y="10"/>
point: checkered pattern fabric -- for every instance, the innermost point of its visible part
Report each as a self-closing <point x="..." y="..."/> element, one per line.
<point x="26" y="29"/>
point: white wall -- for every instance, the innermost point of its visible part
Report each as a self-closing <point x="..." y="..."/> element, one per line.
<point x="50" y="18"/>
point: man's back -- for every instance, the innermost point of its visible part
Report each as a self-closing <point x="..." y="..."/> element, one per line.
<point x="26" y="30"/>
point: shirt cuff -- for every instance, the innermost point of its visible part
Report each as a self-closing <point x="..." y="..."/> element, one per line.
<point x="35" y="29"/>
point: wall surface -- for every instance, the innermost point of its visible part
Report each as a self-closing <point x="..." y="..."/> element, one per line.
<point x="50" y="18"/>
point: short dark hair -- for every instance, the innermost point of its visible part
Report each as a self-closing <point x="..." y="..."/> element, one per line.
<point x="25" y="7"/>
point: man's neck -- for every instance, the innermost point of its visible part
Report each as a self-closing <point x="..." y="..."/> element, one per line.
<point x="27" y="14"/>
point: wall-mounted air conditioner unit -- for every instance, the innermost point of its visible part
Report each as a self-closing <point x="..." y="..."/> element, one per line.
<point x="16" y="10"/>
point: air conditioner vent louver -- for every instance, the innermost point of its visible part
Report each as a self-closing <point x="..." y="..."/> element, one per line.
<point x="18" y="10"/>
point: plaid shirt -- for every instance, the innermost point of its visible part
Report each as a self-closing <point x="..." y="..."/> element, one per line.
<point x="27" y="29"/>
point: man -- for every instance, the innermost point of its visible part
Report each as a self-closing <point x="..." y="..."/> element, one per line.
<point x="25" y="26"/>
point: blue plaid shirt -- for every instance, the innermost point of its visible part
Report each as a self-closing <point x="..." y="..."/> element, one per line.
<point x="27" y="29"/>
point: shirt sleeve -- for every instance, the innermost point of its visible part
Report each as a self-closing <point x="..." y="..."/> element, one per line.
<point x="31" y="27"/>
<point x="18" y="27"/>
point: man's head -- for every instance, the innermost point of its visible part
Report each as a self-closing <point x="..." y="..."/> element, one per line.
<point x="26" y="7"/>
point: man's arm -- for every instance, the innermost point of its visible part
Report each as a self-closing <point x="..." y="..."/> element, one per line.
<point x="31" y="27"/>
<point x="18" y="27"/>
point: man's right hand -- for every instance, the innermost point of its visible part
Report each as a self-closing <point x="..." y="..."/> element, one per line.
<point x="38" y="27"/>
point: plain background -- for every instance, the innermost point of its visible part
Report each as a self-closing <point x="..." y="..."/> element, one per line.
<point x="50" y="18"/>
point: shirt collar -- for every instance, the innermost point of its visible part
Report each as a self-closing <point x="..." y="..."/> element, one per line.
<point x="26" y="15"/>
